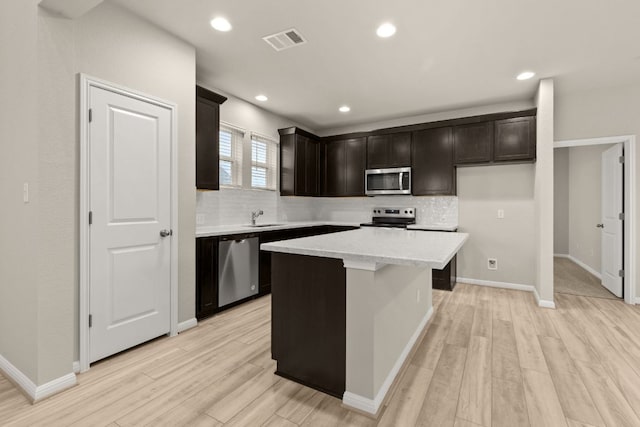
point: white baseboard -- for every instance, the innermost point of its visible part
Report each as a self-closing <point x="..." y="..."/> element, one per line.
<point x="507" y="285"/>
<point x="585" y="266"/>
<point x="187" y="324"/>
<point x="561" y="255"/>
<point x="544" y="303"/>
<point x="492" y="284"/>
<point x="372" y="406"/>
<point x="33" y="392"/>
<point x="52" y="387"/>
<point x="76" y="367"/>
<point x="637" y="300"/>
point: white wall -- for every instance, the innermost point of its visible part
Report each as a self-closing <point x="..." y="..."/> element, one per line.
<point x="19" y="262"/>
<point x="543" y="192"/>
<point x="598" y="113"/>
<point x="110" y="44"/>
<point x="114" y="45"/>
<point x="561" y="201"/>
<point x="482" y="190"/>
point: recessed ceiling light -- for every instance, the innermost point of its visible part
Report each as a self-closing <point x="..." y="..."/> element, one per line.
<point x="221" y="24"/>
<point x="344" y="109"/>
<point x="261" y="98"/>
<point x="526" y="75"/>
<point x="386" y="30"/>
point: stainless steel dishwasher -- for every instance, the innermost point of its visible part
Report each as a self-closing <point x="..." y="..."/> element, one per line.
<point x="238" y="261"/>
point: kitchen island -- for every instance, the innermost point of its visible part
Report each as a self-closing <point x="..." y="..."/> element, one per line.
<point x="348" y="308"/>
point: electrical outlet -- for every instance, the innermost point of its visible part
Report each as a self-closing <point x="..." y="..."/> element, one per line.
<point x="25" y="192"/>
<point x="500" y="213"/>
<point x="418" y="295"/>
<point x="199" y="219"/>
<point x="492" y="264"/>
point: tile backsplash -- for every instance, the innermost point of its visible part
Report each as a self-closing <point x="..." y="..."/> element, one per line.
<point x="234" y="206"/>
<point x="429" y="210"/>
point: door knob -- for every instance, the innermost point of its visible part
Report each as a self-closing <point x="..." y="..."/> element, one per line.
<point x="600" y="225"/>
<point x="165" y="233"/>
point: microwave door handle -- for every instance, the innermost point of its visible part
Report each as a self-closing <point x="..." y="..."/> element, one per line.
<point x="400" y="180"/>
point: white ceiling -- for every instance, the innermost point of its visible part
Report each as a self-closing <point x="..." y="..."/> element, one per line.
<point x="446" y="54"/>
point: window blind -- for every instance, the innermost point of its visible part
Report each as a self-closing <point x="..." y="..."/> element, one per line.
<point x="264" y="162"/>
<point x="230" y="155"/>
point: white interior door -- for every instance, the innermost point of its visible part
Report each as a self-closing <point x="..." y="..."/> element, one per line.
<point x="612" y="225"/>
<point x="130" y="201"/>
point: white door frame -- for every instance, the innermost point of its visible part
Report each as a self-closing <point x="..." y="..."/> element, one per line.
<point x="86" y="82"/>
<point x="630" y="241"/>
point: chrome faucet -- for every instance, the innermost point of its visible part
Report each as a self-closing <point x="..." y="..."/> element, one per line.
<point x="255" y="215"/>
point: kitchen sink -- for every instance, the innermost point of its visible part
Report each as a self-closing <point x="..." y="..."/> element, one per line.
<point x="263" y="225"/>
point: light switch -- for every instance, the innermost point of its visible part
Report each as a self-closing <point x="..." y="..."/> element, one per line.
<point x="501" y="213"/>
<point x="199" y="219"/>
<point x="25" y="192"/>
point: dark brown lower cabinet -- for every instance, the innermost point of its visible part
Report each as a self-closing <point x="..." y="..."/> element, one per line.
<point x="445" y="279"/>
<point x="206" y="276"/>
<point x="295" y="233"/>
<point x="308" y="320"/>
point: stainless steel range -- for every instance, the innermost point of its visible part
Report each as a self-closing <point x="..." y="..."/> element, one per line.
<point x="392" y="217"/>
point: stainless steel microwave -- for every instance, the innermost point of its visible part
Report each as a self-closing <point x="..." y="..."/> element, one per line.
<point x="387" y="181"/>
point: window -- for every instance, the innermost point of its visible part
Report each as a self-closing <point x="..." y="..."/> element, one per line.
<point x="264" y="162"/>
<point x="231" y="155"/>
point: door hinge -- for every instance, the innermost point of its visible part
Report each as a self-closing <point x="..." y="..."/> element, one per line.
<point x="90" y="217"/>
<point x="621" y="159"/>
<point x="621" y="216"/>
<point x="90" y="320"/>
<point x="90" y="115"/>
<point x="621" y="273"/>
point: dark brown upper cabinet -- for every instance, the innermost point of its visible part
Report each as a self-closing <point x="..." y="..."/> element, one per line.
<point x="433" y="171"/>
<point x="473" y="143"/>
<point x="207" y="138"/>
<point x="389" y="151"/>
<point x="335" y="165"/>
<point x="334" y="169"/>
<point x="299" y="163"/>
<point x="515" y="139"/>
<point x="345" y="163"/>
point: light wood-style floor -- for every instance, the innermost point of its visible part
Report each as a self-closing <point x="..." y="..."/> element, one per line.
<point x="490" y="357"/>
<point x="570" y="278"/>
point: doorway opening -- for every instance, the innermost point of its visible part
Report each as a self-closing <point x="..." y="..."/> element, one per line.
<point x="594" y="218"/>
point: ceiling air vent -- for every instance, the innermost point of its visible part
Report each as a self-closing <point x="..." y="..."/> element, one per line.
<point x="285" y="39"/>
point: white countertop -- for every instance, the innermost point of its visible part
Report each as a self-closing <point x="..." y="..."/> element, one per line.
<point x="433" y="227"/>
<point x="378" y="245"/>
<point x="222" y="230"/>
